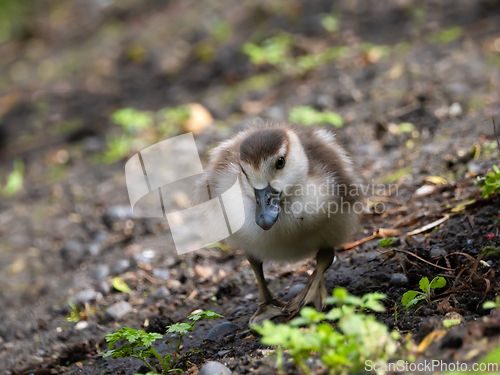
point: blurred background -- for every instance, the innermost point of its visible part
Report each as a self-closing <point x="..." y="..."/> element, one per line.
<point x="408" y="85"/>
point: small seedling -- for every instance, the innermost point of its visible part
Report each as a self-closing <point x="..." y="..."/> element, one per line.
<point x="396" y="312"/>
<point x="384" y="242"/>
<point x="140" y="342"/>
<point x="76" y="315"/>
<point x="412" y="297"/>
<point x="447" y="323"/>
<point x="344" y="350"/>
<point x="492" y="304"/>
<point x="14" y="180"/>
<point x="490" y="183"/>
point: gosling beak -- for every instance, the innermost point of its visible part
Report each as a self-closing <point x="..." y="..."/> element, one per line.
<point x="267" y="207"/>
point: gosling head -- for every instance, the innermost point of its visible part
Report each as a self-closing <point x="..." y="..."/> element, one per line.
<point x="273" y="162"/>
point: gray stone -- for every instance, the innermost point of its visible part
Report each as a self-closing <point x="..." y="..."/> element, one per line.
<point x="118" y="310"/>
<point x="161" y="273"/>
<point x="121" y="212"/>
<point x="438" y="252"/>
<point x="104" y="287"/>
<point x="236" y="312"/>
<point x="94" y="249"/>
<point x="100" y="272"/>
<point x="161" y="293"/>
<point x="214" y="368"/>
<point x="87" y="295"/>
<point x="121" y="266"/>
<point x="73" y="252"/>
<point x="146" y="257"/>
<point x="221" y="330"/>
<point x="294" y="290"/>
<point x="399" y="279"/>
<point x="474" y="168"/>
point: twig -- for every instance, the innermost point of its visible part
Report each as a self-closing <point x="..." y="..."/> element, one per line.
<point x="428" y="226"/>
<point x="495" y="131"/>
<point x="419" y="258"/>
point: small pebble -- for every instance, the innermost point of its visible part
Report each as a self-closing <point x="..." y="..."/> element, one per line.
<point x="221" y="330"/>
<point x="399" y="279"/>
<point x="236" y="312"/>
<point x="100" y="272"/>
<point x="438" y="252"/>
<point x="214" y="368"/>
<point x="118" y="310"/>
<point x="82" y="324"/>
<point x="474" y="168"/>
<point x="87" y="295"/>
<point x="104" y="287"/>
<point x="161" y="293"/>
<point x="121" y="212"/>
<point x="146" y="256"/>
<point x="120" y="267"/>
<point x="161" y="273"/>
<point x="294" y="290"/>
<point x="94" y="249"/>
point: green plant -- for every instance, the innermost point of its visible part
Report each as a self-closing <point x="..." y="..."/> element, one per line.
<point x="384" y="242"/>
<point x="277" y="51"/>
<point x="492" y="304"/>
<point x="76" y="315"/>
<point x="447" y="323"/>
<point x="14" y="180"/>
<point x="359" y="336"/>
<point x="412" y="297"/>
<point x="140" y="342"/>
<point x="396" y="312"/>
<point x="330" y="22"/>
<point x="490" y="183"/>
<point x="490" y="252"/>
<point x="307" y="115"/>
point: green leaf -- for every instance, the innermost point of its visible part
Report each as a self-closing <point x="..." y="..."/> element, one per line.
<point x="489" y="305"/>
<point x="148" y="338"/>
<point x="209" y="314"/>
<point x="417" y="299"/>
<point x="15" y="179"/>
<point x="447" y="323"/>
<point x="409" y="296"/>
<point x="424" y="284"/>
<point x="181" y="328"/>
<point x="120" y="285"/>
<point x="438" y="282"/>
<point x="384" y="242"/>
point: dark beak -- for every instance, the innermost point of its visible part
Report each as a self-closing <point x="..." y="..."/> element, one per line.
<point x="267" y="207"/>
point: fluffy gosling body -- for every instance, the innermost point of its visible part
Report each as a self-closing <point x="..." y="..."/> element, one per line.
<point x="299" y="196"/>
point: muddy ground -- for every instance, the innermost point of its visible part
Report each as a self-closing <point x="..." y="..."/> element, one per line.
<point x="69" y="230"/>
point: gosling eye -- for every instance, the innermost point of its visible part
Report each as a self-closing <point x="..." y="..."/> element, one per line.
<point x="280" y="163"/>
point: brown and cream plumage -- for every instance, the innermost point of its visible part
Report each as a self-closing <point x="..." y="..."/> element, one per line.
<point x="297" y="185"/>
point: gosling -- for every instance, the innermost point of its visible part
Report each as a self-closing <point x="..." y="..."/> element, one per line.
<point x="300" y="199"/>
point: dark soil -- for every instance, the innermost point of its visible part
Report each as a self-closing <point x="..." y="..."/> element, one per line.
<point x="68" y="230"/>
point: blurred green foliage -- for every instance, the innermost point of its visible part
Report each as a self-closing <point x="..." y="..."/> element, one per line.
<point x="14" y="179"/>
<point x="14" y="18"/>
<point x="140" y="129"/>
<point x="445" y="36"/>
<point x="277" y="51"/>
<point x="307" y="115"/>
<point x="358" y="337"/>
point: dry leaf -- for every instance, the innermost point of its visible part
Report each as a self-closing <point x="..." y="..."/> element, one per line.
<point x="427" y="341"/>
<point x="436" y="180"/>
<point x="388" y="232"/>
<point x="199" y="119"/>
